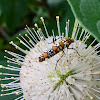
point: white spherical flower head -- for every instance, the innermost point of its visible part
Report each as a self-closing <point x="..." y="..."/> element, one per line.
<point x="73" y="77"/>
<point x="55" y="67"/>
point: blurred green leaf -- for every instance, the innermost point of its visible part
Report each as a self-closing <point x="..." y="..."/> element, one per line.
<point x="13" y="12"/>
<point x="88" y="14"/>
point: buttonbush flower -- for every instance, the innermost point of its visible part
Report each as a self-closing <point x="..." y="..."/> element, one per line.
<point x="71" y="74"/>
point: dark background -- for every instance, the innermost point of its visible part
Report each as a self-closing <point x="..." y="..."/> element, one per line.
<point x="15" y="14"/>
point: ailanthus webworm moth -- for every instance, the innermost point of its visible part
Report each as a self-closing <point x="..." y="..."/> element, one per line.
<point x="56" y="49"/>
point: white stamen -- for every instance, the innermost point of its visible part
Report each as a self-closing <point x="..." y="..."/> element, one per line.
<point x="17" y="47"/>
<point x="44" y="26"/>
<point x="81" y="34"/>
<point x="31" y="34"/>
<point x="77" y="32"/>
<point x="26" y="41"/>
<point x="58" y="25"/>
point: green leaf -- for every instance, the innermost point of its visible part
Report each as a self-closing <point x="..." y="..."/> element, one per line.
<point x="13" y="12"/>
<point x="88" y="14"/>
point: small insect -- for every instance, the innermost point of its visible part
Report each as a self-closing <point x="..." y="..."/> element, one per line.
<point x="65" y="42"/>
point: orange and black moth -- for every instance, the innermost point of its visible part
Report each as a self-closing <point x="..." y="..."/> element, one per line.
<point x="64" y="43"/>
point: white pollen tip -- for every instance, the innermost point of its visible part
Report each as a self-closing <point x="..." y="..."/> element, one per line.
<point x="5" y="56"/>
<point x="82" y="29"/>
<point x="66" y="23"/>
<point x="35" y="25"/>
<point x="1" y="66"/>
<point x="91" y="98"/>
<point x="16" y="47"/>
<point x="87" y="37"/>
<point x="26" y="35"/>
<point x="85" y="31"/>
<point x="2" y="90"/>
<point x="46" y="59"/>
<point x="76" y="46"/>
<point x="60" y="53"/>
<point x="8" y="61"/>
<point x="8" y="65"/>
<point x="13" y="58"/>
<point x="82" y="41"/>
<point x="42" y="38"/>
<point x="33" y="28"/>
<point x="1" y="73"/>
<point x="20" y="64"/>
<point x="11" y="42"/>
<point x="2" y="95"/>
<point x="46" y="63"/>
<point x="67" y="67"/>
<point x="17" y="37"/>
<point x="68" y="20"/>
<point x="40" y="29"/>
<point x="12" y="78"/>
<point x="57" y="17"/>
<point x="63" y="33"/>
<point x="37" y="44"/>
<point x="20" y="34"/>
<point x="42" y="19"/>
<point x="5" y="50"/>
<point x="17" y="93"/>
<point x="25" y="28"/>
<point x="90" y="47"/>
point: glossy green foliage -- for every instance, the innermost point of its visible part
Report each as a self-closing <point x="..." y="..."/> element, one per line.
<point x="13" y="11"/>
<point x="88" y="14"/>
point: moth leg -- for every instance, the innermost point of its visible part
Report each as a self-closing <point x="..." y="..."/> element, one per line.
<point x="59" y="59"/>
<point x="76" y="51"/>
